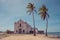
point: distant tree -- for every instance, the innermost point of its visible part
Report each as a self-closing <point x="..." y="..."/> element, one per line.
<point x="44" y="15"/>
<point x="31" y="10"/>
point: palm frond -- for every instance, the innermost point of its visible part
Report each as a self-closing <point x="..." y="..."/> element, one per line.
<point x="48" y="15"/>
<point x="35" y="11"/>
<point x="30" y="7"/>
<point x="40" y="9"/>
<point x="43" y="12"/>
<point x="29" y="12"/>
<point x="40" y="13"/>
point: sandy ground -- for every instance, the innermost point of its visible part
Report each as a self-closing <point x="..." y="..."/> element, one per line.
<point x="28" y="37"/>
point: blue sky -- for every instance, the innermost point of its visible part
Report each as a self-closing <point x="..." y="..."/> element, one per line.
<point x="14" y="10"/>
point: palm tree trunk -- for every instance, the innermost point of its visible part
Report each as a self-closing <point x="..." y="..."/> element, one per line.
<point x="34" y="24"/>
<point x="46" y="26"/>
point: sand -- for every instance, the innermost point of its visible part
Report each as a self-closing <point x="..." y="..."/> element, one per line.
<point x="28" y="37"/>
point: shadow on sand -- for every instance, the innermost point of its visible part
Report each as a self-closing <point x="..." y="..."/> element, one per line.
<point x="3" y="35"/>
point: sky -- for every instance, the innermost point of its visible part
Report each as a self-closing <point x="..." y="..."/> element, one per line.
<point x="13" y="10"/>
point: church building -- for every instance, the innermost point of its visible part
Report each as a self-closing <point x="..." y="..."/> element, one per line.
<point x="22" y="27"/>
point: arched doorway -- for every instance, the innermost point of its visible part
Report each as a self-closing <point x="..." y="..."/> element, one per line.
<point x="23" y="31"/>
<point x="20" y="31"/>
<point x="31" y="32"/>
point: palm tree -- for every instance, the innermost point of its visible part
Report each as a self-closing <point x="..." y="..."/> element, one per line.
<point x="31" y="10"/>
<point x="44" y="15"/>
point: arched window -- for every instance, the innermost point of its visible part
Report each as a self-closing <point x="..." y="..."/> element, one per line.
<point x="23" y="31"/>
<point x="16" y="31"/>
<point x="20" y="25"/>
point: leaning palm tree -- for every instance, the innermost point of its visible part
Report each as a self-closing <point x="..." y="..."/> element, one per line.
<point x="44" y="15"/>
<point x="31" y="10"/>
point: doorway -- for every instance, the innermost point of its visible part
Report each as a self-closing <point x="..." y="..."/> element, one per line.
<point x="23" y="31"/>
<point x="20" y="31"/>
